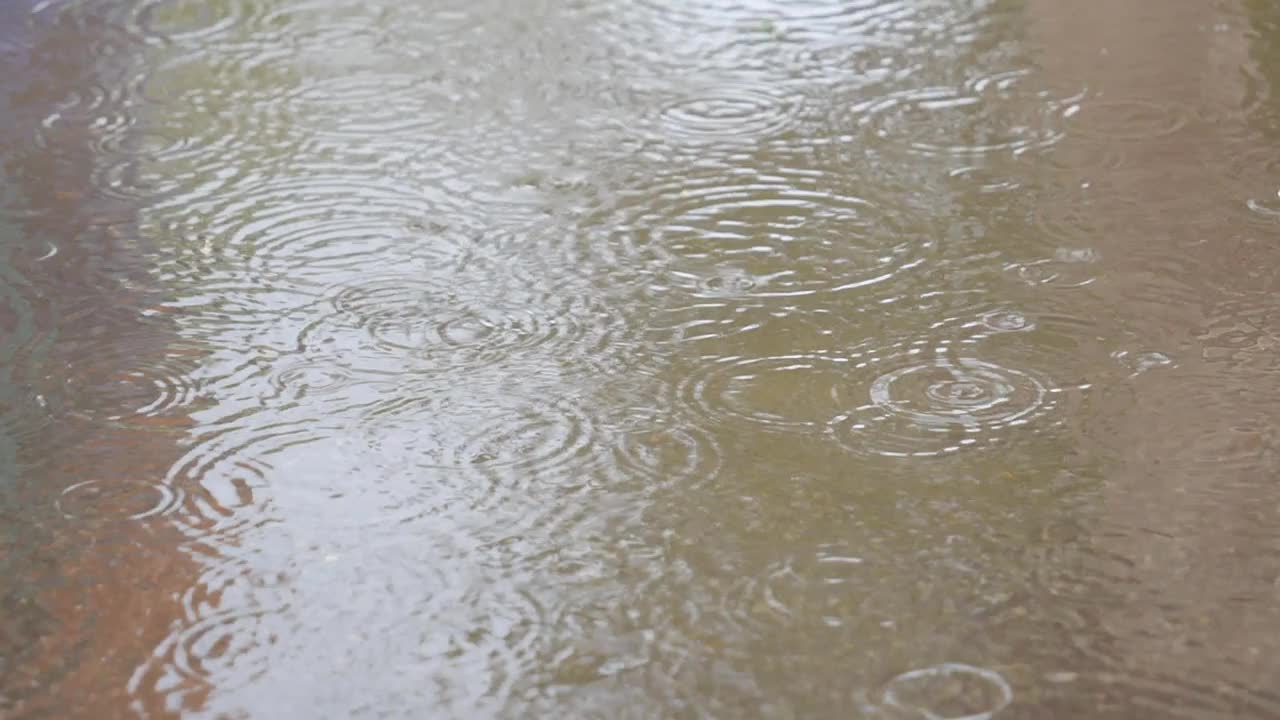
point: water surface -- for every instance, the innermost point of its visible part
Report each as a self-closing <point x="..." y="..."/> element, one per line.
<point x="880" y="359"/>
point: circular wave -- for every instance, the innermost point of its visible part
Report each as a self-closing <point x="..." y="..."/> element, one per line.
<point x="883" y="57"/>
<point x="916" y="400"/>
<point x="395" y="106"/>
<point x="131" y="394"/>
<point x="1126" y="119"/>
<point x="276" y="248"/>
<point x="450" y="323"/>
<point x="1250" y="181"/>
<point x="229" y="649"/>
<point x="94" y="113"/>
<point x="325" y="224"/>
<point x="721" y="327"/>
<point x="99" y="500"/>
<point x="423" y="456"/>
<point x="726" y="283"/>
<point x="792" y="393"/>
<point x="528" y="440"/>
<point x="199" y="152"/>
<point x="761" y="235"/>
<point x="655" y="446"/>
<point x="1005" y="321"/>
<point x="826" y="589"/>
<point x="139" y="144"/>
<point x="185" y="21"/>
<point x="1071" y="160"/>
<point x="224" y="486"/>
<point x="1139" y="362"/>
<point x="985" y="180"/>
<point x="990" y="115"/>
<point x="467" y="455"/>
<point x="313" y="377"/>
<point x="370" y="481"/>
<point x="1241" y="330"/>
<point x="950" y="691"/>
<point x="1068" y="268"/>
<point x="734" y="112"/>
<point x="1077" y="215"/>
<point x="829" y="42"/>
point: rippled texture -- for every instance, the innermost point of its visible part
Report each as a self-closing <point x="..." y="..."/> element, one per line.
<point x="891" y="359"/>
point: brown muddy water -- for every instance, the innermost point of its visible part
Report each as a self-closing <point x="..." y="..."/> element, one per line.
<point x="886" y="359"/>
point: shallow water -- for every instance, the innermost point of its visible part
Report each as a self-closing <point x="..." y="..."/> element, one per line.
<point x="880" y="359"/>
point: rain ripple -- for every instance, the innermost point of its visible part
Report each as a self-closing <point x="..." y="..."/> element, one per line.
<point x="1251" y="180"/>
<point x="766" y="234"/>
<point x="787" y="393"/>
<point x="451" y="324"/>
<point x="920" y="398"/>
<point x="926" y="399"/>
<point x="661" y="448"/>
<point x="1068" y="268"/>
<point x="1126" y="119"/>
<point x="151" y="395"/>
<point x="1139" y="362"/>
<point x="221" y="648"/>
<point x="433" y="454"/>
<point x="222" y="480"/>
<point x="98" y="500"/>
<point x="287" y="236"/>
<point x="231" y="616"/>
<point x="783" y="41"/>
<point x="950" y="691"/>
<point x="738" y="113"/>
<point x="826" y="588"/>
<point x="993" y="114"/>
<point x="185" y="21"/>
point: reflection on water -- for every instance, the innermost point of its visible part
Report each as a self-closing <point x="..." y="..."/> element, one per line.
<point x="875" y="358"/>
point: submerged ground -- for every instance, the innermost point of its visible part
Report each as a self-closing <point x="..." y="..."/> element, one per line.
<point x="639" y="359"/>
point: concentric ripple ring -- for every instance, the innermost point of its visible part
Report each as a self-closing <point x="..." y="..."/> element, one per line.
<point x="912" y="691"/>
<point x="931" y="406"/>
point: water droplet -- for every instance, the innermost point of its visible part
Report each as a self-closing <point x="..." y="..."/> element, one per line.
<point x="1007" y="321"/>
<point x="1140" y="362"/>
